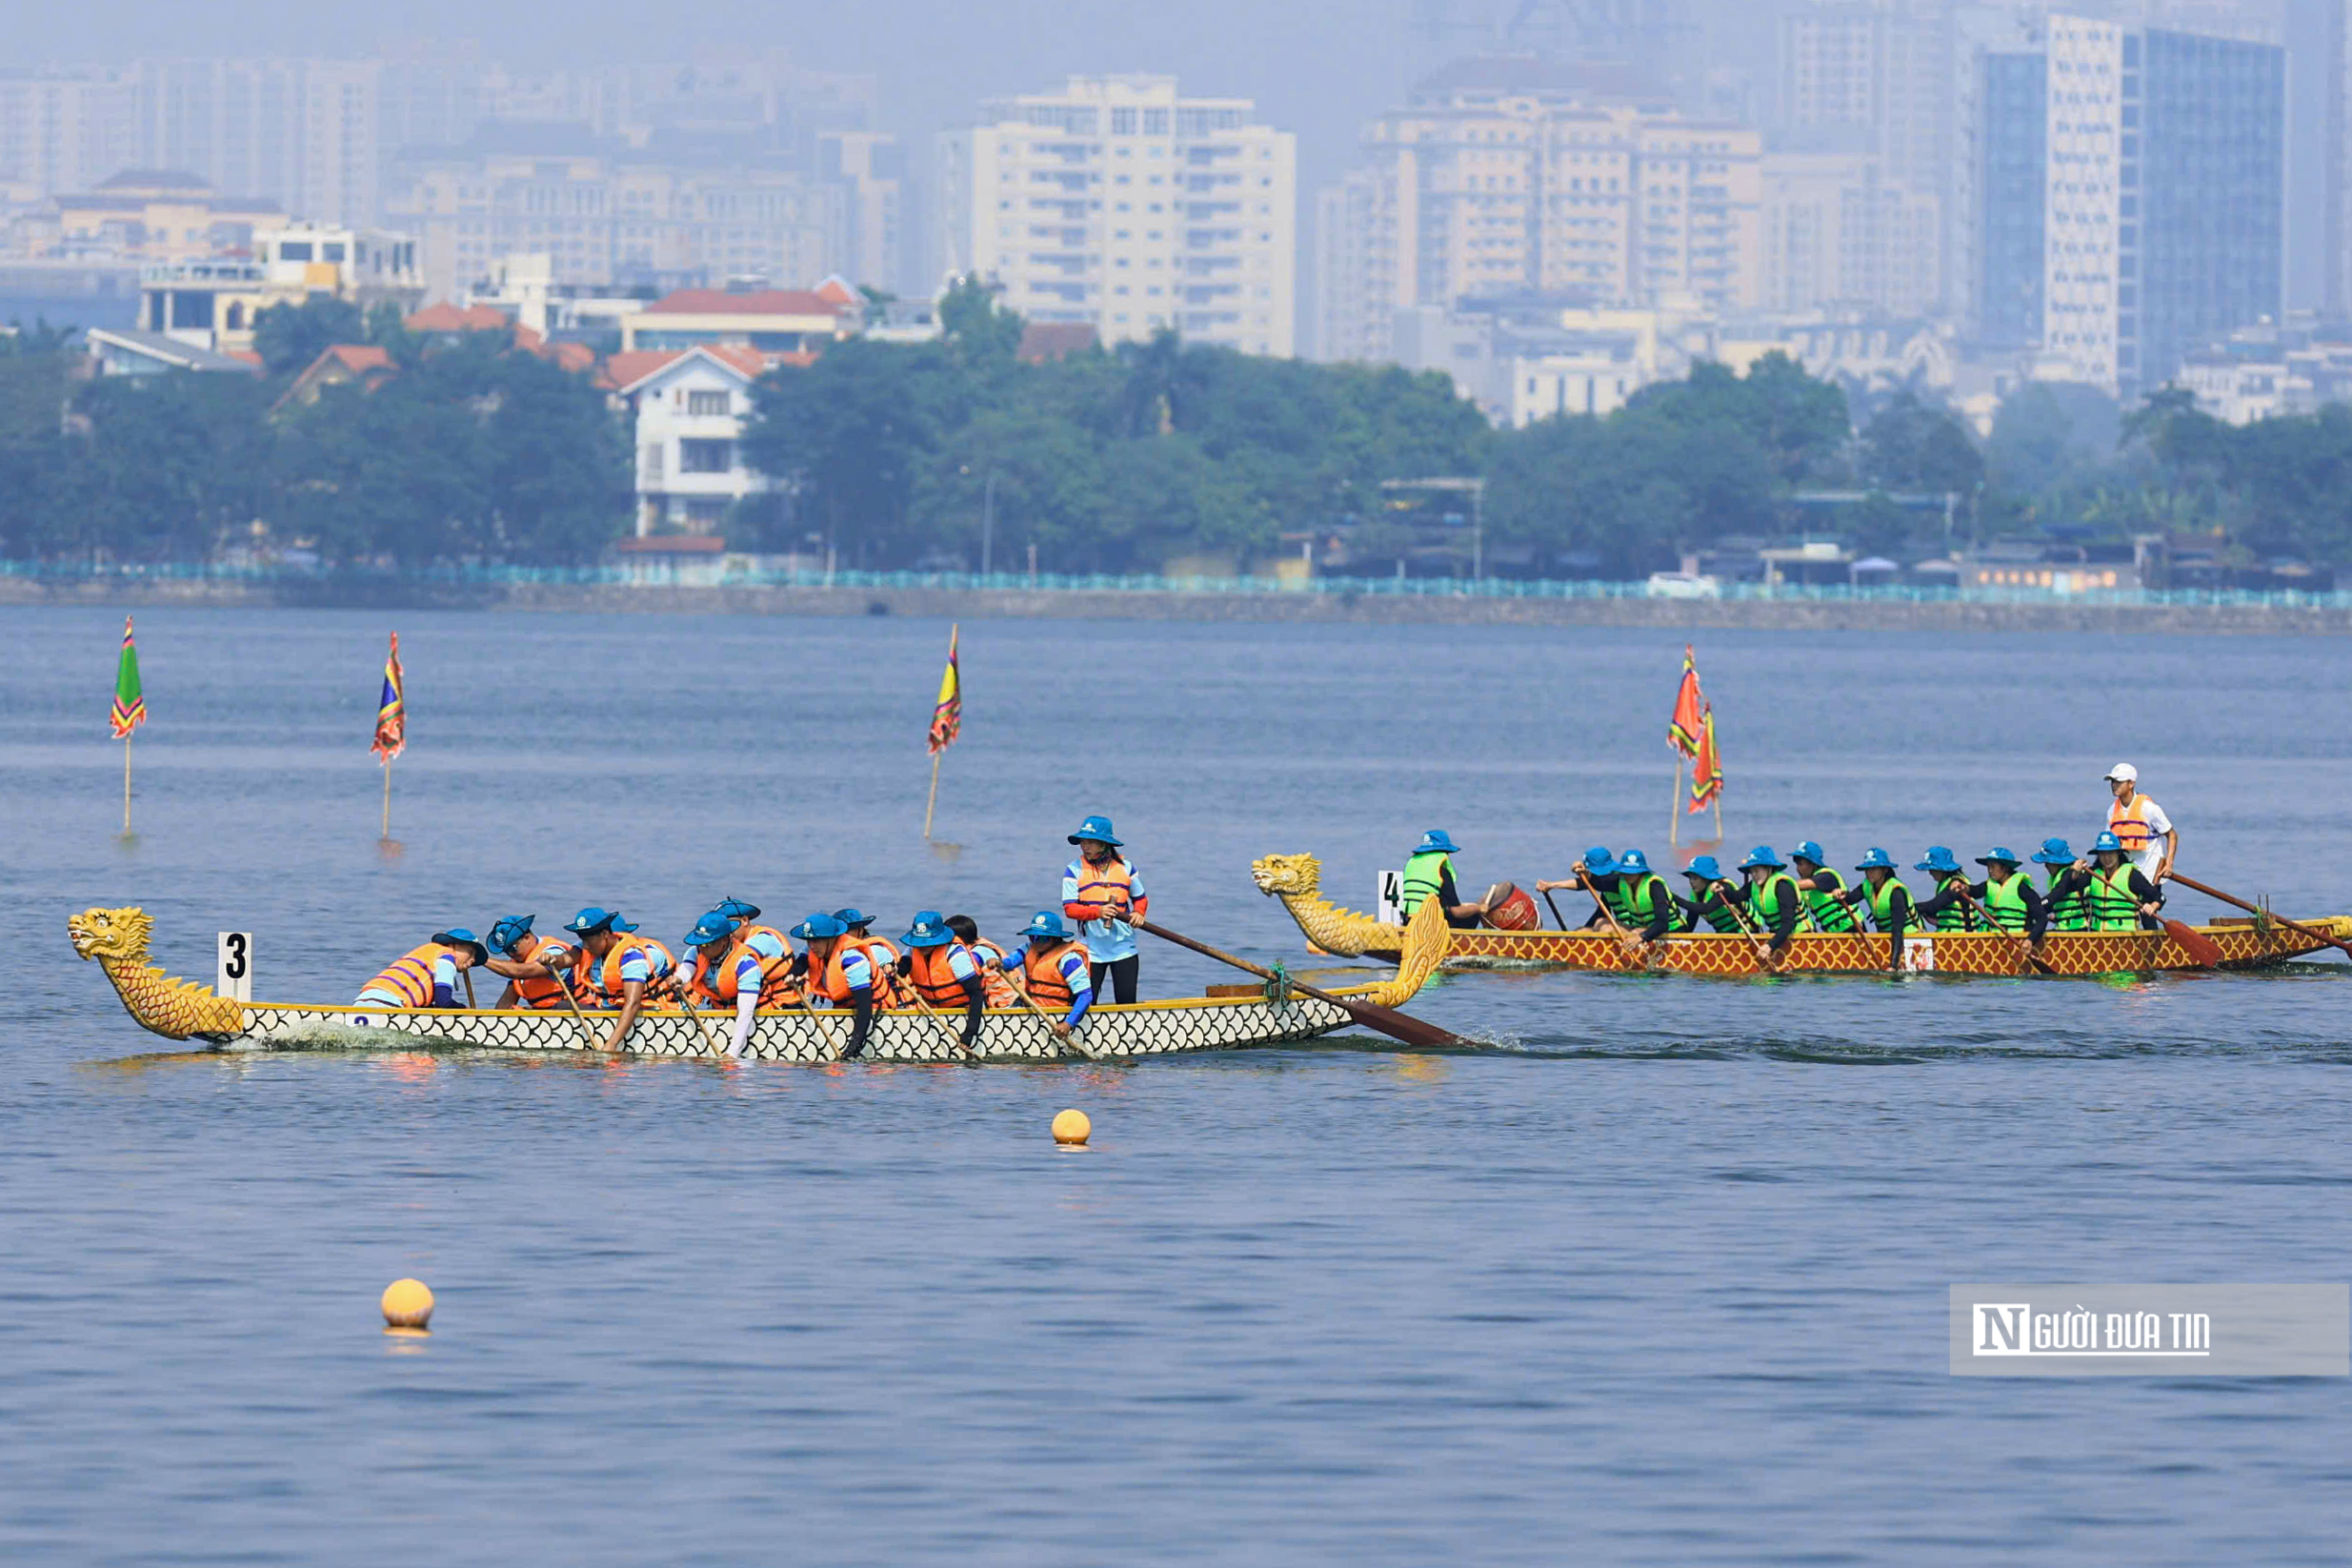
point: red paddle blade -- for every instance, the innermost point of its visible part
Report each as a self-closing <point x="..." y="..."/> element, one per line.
<point x="2194" y="943"/>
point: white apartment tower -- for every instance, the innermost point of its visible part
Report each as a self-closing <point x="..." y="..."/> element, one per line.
<point x="1118" y="204"/>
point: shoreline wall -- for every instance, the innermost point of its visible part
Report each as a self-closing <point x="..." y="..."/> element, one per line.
<point x="1118" y="604"/>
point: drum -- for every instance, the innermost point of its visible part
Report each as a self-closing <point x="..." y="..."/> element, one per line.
<point x="1508" y="909"/>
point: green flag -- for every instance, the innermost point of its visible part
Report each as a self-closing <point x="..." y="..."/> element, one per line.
<point x="129" y="703"/>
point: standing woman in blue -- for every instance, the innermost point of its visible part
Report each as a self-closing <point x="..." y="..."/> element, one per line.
<point x="1104" y="893"/>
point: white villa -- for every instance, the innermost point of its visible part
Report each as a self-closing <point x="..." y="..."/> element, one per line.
<point x="690" y="406"/>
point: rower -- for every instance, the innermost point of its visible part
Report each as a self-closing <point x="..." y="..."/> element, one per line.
<point x="1824" y="889"/>
<point x="729" y="971"/>
<point x="841" y="971"/>
<point x="626" y="971"/>
<point x="1101" y="890"/>
<point x="2148" y="838"/>
<point x="1772" y="898"/>
<point x="944" y="972"/>
<point x="2121" y="896"/>
<point x="1057" y="971"/>
<point x="1889" y="902"/>
<point x="1646" y="904"/>
<point x="427" y="976"/>
<point x="1429" y="873"/>
<point x="765" y="941"/>
<point x="2008" y="897"/>
<point x="1596" y="873"/>
<point x="1944" y="867"/>
<point x="995" y="966"/>
<point x="880" y="951"/>
<point x="1713" y="896"/>
<point x="538" y="970"/>
<point x="2068" y="892"/>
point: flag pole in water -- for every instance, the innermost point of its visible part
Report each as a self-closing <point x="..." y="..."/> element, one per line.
<point x="129" y="712"/>
<point x="1682" y="736"/>
<point x="947" y="722"/>
<point x="391" y="726"/>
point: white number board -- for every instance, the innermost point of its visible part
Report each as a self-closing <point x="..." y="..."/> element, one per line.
<point x="236" y="966"/>
<point x="1388" y="905"/>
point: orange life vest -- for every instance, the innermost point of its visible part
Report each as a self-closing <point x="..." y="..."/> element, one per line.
<point x="1104" y="888"/>
<point x="994" y="979"/>
<point x="534" y="992"/>
<point x="410" y="977"/>
<point x="719" y="984"/>
<point x="2130" y="824"/>
<point x="661" y="982"/>
<point x="828" y="983"/>
<point x="1045" y="985"/>
<point x="935" y="979"/>
<point x="883" y="954"/>
<point x="783" y="945"/>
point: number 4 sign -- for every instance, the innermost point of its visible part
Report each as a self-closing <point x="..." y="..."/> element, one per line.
<point x="236" y="966"/>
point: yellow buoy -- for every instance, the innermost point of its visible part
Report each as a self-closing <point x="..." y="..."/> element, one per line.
<point x="1072" y="1127"/>
<point x="407" y="1304"/>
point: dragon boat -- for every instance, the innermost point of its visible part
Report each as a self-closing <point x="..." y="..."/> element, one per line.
<point x="1227" y="1019"/>
<point x="2250" y="943"/>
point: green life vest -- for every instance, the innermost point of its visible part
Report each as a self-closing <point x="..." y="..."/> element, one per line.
<point x="1959" y="917"/>
<point x="1768" y="896"/>
<point x="2114" y="906"/>
<point x="1829" y="912"/>
<point x="1712" y="907"/>
<point x="1424" y="875"/>
<point x="1882" y="903"/>
<point x="2070" y="911"/>
<point x="1638" y="901"/>
<point x="2005" y="901"/>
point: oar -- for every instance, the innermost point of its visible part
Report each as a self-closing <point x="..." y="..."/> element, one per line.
<point x="470" y="1003"/>
<point x="824" y="1030"/>
<point x="1395" y="1025"/>
<point x="1558" y="919"/>
<point x="949" y="1030"/>
<point x="710" y="1042"/>
<point x="1763" y="949"/>
<point x="2025" y="949"/>
<point x="1070" y="1039"/>
<point x="595" y="1042"/>
<point x="1609" y="914"/>
<point x="2183" y="934"/>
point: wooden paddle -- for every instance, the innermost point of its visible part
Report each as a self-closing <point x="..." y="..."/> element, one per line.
<point x="595" y="1042"/>
<point x="1558" y="919"/>
<point x="710" y="1042"/>
<point x="1625" y="938"/>
<point x="2025" y="949"/>
<point x="1763" y="948"/>
<point x="2186" y="935"/>
<point x="1070" y="1039"/>
<point x="948" y="1029"/>
<point x="1395" y="1025"/>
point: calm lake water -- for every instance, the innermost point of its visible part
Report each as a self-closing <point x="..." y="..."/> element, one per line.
<point x="1659" y="1277"/>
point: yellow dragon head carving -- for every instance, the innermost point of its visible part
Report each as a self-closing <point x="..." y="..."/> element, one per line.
<point x="1299" y="875"/>
<point x="117" y="934"/>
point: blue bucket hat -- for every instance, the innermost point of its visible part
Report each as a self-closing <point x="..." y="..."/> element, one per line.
<point x="1762" y="855"/>
<point x="1938" y="858"/>
<point x="508" y="930"/>
<point x="817" y="927"/>
<point x="1875" y="858"/>
<point x="2053" y="852"/>
<point x="929" y="929"/>
<point x="460" y="936"/>
<point x="1809" y="851"/>
<point x="1097" y="829"/>
<point x="1998" y="854"/>
<point x="712" y="927"/>
<point x="1433" y="842"/>
<point x="1633" y="863"/>
<point x="1046" y="925"/>
<point x="853" y="918"/>
<point x="1704" y="867"/>
<point x="1599" y="862"/>
<point x="2108" y="842"/>
<point x="735" y="909"/>
<point x="596" y="918"/>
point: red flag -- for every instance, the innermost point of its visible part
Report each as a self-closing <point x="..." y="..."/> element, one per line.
<point x="392" y="710"/>
<point x="1706" y="767"/>
<point x="1689" y="709"/>
<point x="947" y="714"/>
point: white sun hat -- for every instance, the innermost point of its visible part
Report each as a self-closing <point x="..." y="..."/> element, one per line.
<point x="2124" y="771"/>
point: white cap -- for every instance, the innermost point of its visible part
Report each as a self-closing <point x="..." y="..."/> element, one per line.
<point x="2124" y="771"/>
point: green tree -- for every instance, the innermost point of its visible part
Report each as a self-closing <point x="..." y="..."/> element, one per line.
<point x="287" y="337"/>
<point x="1911" y="445"/>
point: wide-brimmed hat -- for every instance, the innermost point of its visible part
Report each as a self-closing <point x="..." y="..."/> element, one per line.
<point x="735" y="909"/>
<point x="929" y="929"/>
<point x="1048" y="925"/>
<point x="1704" y="868"/>
<point x="1433" y="842"/>
<point x="1999" y="854"/>
<point x="1875" y="858"/>
<point x="2053" y="852"/>
<point x="817" y="928"/>
<point x="1633" y="862"/>
<point x="460" y="936"/>
<point x="1599" y="862"/>
<point x="1809" y="851"/>
<point x="1097" y="829"/>
<point x="507" y="930"/>
<point x="2108" y="843"/>
<point x="1762" y="855"/>
<point x="596" y="918"/>
<point x="853" y="918"/>
<point x="712" y="927"/>
<point x="1938" y="858"/>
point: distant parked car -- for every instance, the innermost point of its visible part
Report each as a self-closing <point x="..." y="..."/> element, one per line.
<point x="1684" y="585"/>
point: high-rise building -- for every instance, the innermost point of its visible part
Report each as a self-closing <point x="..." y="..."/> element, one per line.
<point x="1506" y="176"/>
<point x="1838" y="233"/>
<point x="68" y="130"/>
<point x="2163" y="195"/>
<point x="1119" y="204"/>
<point x="2010" y="153"/>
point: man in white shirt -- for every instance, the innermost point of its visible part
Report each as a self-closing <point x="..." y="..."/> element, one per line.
<point x="2148" y="838"/>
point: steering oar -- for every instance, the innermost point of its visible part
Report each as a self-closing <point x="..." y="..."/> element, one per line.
<point x="2192" y="939"/>
<point x="1395" y="1025"/>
